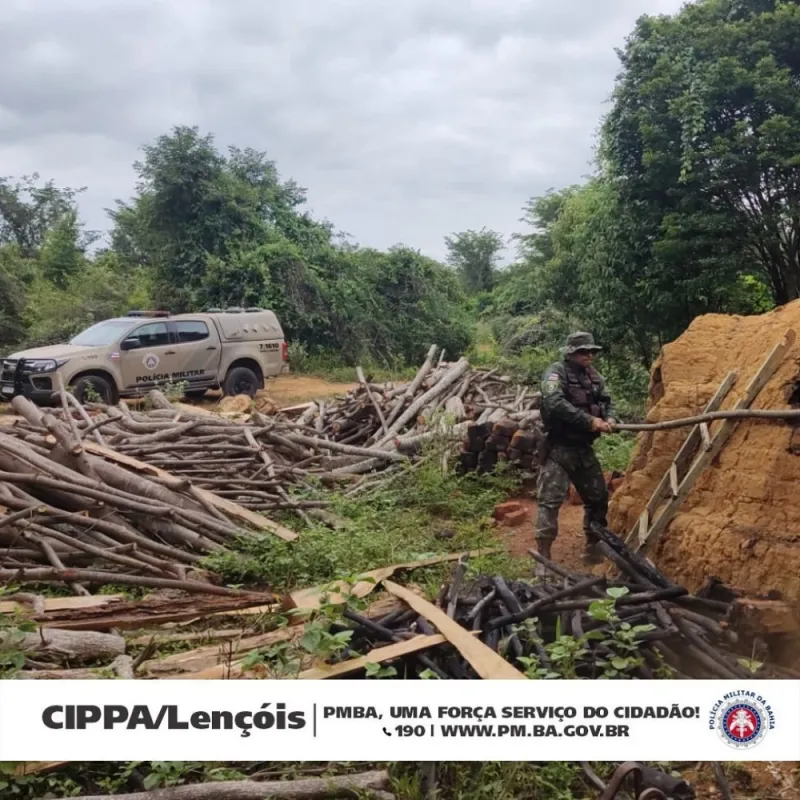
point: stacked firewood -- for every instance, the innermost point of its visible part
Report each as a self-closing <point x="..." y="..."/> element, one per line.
<point x="80" y="512"/>
<point x="442" y="396"/>
<point x="488" y="444"/>
<point x="257" y="460"/>
<point x="143" y="495"/>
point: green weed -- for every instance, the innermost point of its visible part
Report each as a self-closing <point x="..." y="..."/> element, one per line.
<point x="332" y="367"/>
<point x="614" y="450"/>
<point x="423" y="513"/>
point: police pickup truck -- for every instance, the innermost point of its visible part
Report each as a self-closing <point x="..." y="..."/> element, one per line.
<point x="236" y="350"/>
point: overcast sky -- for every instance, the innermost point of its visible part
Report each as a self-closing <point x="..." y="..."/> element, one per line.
<point x="406" y="120"/>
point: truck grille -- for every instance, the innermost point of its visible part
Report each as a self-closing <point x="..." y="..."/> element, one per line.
<point x="7" y="370"/>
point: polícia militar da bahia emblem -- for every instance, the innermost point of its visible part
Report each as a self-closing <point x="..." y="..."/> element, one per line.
<point x="742" y="722"/>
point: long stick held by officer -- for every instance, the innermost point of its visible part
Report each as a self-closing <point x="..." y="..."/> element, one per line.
<point x="576" y="409"/>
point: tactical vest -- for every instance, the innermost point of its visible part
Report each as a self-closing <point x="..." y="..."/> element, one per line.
<point x="583" y="389"/>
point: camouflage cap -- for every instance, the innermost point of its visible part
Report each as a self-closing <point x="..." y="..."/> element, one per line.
<point x="579" y="341"/>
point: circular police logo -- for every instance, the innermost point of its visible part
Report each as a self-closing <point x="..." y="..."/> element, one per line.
<point x="742" y="723"/>
<point x="151" y="361"/>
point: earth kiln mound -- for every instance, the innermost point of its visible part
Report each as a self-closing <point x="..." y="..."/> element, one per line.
<point x="741" y="521"/>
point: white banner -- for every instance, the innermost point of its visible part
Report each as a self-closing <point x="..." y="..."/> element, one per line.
<point x="389" y="720"/>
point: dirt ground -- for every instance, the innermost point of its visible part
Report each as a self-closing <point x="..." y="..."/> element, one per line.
<point x="567" y="548"/>
<point x="285" y="390"/>
<point x="289" y="390"/>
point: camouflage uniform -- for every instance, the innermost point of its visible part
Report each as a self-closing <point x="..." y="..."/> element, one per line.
<point x="571" y="396"/>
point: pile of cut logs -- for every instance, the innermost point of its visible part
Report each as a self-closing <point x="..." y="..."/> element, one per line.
<point x="68" y="505"/>
<point x="477" y="406"/>
<point x="93" y="493"/>
<point x="505" y="441"/>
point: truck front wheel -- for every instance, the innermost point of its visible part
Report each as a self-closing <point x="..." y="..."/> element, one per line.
<point x="92" y="388"/>
<point x="241" y="380"/>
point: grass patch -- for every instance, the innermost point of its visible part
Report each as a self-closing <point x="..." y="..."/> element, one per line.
<point x="614" y="450"/>
<point x="423" y="513"/>
<point x="331" y="367"/>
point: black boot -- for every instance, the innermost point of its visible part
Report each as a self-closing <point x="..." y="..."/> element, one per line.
<point x="592" y="554"/>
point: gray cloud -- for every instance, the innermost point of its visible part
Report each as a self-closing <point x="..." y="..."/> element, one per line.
<point x="405" y="119"/>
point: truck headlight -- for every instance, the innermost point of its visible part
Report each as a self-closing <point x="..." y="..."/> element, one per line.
<point x="43" y="364"/>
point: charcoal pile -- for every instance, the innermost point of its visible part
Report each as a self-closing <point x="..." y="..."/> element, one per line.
<point x="640" y="626"/>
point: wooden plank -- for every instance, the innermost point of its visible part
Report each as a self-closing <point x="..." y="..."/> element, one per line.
<point x="673" y="479"/>
<point x="136" y="615"/>
<point x="644" y="524"/>
<point x="37" y="767"/>
<point x="207" y="657"/>
<point x="376" y="656"/>
<point x="684" y="455"/>
<point x="488" y="664"/>
<point x="720" y="438"/>
<point x="338" y="592"/>
<point x="223" y="504"/>
<point x="704" y="433"/>
<point x="234" y="669"/>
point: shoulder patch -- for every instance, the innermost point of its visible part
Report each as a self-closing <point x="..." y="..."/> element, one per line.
<point x="551" y="384"/>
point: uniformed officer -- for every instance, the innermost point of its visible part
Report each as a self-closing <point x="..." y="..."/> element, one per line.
<point x="576" y="410"/>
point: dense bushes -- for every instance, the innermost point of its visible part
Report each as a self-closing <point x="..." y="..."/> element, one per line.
<point x="208" y="230"/>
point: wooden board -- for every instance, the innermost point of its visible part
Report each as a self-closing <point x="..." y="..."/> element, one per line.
<point x="338" y="592"/>
<point x="234" y="509"/>
<point x="376" y="656"/>
<point x="234" y="670"/>
<point x="139" y="614"/>
<point x="488" y="664"/>
<point x="37" y="767"/>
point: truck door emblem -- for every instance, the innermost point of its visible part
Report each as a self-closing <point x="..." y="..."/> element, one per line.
<point x="151" y="361"/>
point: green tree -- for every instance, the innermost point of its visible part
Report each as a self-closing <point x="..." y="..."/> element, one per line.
<point x="475" y="255"/>
<point x="703" y="143"/>
<point x="12" y="297"/>
<point x="28" y="212"/>
<point x="61" y="256"/>
<point x="214" y="230"/>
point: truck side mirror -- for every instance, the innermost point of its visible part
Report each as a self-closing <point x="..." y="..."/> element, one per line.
<point x="129" y="344"/>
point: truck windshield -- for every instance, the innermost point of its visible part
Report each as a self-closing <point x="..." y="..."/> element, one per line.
<point x="103" y="333"/>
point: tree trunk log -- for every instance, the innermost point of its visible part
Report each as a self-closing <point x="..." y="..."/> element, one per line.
<point x="743" y="413"/>
<point x="73" y="645"/>
<point x="311" y="788"/>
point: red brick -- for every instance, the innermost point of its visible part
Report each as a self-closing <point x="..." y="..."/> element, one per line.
<point x="515" y="518"/>
<point x="502" y="510"/>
